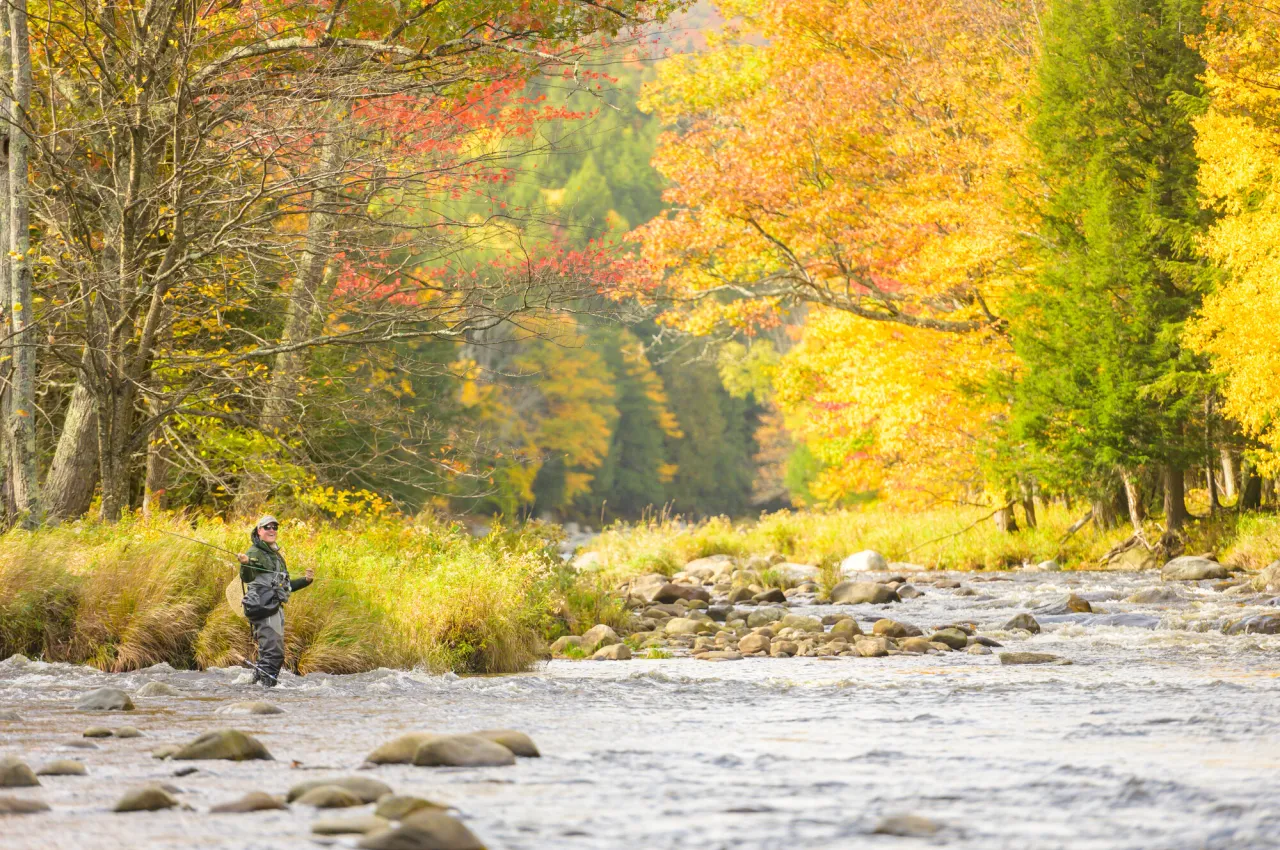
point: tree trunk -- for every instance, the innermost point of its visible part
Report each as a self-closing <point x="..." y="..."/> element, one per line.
<point x="1228" y="474"/>
<point x="7" y="503"/>
<point x="73" y="475"/>
<point x="1029" y="502"/>
<point x="155" y="496"/>
<point x="115" y="418"/>
<point x="1175" y="504"/>
<point x="1104" y="514"/>
<point x="1005" y="520"/>
<point x="22" y="420"/>
<point x="1250" y="488"/>
<point x="1133" y="498"/>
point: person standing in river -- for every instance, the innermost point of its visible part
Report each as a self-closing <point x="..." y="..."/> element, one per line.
<point x="267" y="589"/>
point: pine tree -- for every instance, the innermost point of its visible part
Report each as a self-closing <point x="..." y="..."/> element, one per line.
<point x="1107" y="388"/>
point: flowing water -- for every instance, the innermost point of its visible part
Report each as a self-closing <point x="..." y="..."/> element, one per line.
<point x="1164" y="732"/>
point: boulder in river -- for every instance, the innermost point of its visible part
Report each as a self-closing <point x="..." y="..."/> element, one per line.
<point x="401" y="750"/>
<point x="916" y="646"/>
<point x="770" y="596"/>
<point x="754" y="643"/>
<point x="719" y="655"/>
<point x="846" y="628"/>
<point x="687" y="626"/>
<point x="254" y="801"/>
<point x="227" y="744"/>
<point x="165" y="752"/>
<point x="397" y="807"/>
<point x="329" y="797"/>
<point x="564" y="643"/>
<point x="614" y="652"/>
<point x="872" y="647"/>
<point x="739" y="595"/>
<point x="978" y="649"/>
<point x="15" y="773"/>
<point x="783" y="648"/>
<point x="1031" y="658"/>
<point x="355" y="825"/>
<point x="128" y="732"/>
<point x="157" y="689"/>
<point x="909" y="591"/>
<point x="252" y="707"/>
<point x="364" y="788"/>
<point x="598" y="636"/>
<point x="892" y="628"/>
<point x="1268" y="579"/>
<point x="21" y="806"/>
<point x="62" y="767"/>
<point x="148" y="798"/>
<point x="1258" y="624"/>
<point x="425" y="830"/>
<point x="462" y="751"/>
<point x="952" y="637"/>
<point x="670" y="592"/>
<point x="1069" y="604"/>
<point x="907" y="826"/>
<point x="1192" y="568"/>
<point x="105" y="699"/>
<point x="519" y="743"/>
<point x="1025" y="622"/>
<point x="863" y="593"/>
<point x="765" y="616"/>
<point x="98" y="732"/>
<point x="868" y="560"/>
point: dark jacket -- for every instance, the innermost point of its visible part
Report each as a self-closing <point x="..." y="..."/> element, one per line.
<point x="265" y="558"/>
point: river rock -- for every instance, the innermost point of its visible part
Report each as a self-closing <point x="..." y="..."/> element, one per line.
<point x="613" y="652"/>
<point x="1259" y="624"/>
<point x="909" y="591"/>
<point x="686" y="626"/>
<point x="670" y="592"/>
<point x="1192" y="568"/>
<point x="797" y="573"/>
<point x="165" y="752"/>
<point x="10" y="717"/>
<point x="254" y="801"/>
<point x="254" y="707"/>
<point x="781" y="648"/>
<point x="401" y="750"/>
<point x="867" y="560"/>
<point x="916" y="646"/>
<point x="519" y="743"/>
<point x="978" y="649"/>
<point x="105" y="699"/>
<point x="1030" y="658"/>
<point x="21" y="806"/>
<point x="424" y="830"/>
<point x="16" y="774"/>
<point x="1069" y="604"/>
<point x="719" y="655"/>
<point x="226" y="744"/>
<point x="562" y="644"/>
<point x="1025" y="622"/>
<point x="754" y="643"/>
<point x="157" y="689"/>
<point x="765" y="616"/>
<point x="739" y="595"/>
<point x="907" y="826"/>
<point x="396" y="807"/>
<point x="952" y="637"/>
<point x="357" y="825"/>
<point x="148" y="798"/>
<point x="770" y="596"/>
<point x="363" y="788"/>
<point x="462" y="751"/>
<point x="329" y="797"/>
<point x="597" y="636"/>
<point x="863" y="593"/>
<point x="97" y="732"/>
<point x="128" y="732"/>
<point x="62" y="767"/>
<point x="872" y="647"/>
<point x="846" y="628"/>
<point x="1268" y="579"/>
<point x="894" y="629"/>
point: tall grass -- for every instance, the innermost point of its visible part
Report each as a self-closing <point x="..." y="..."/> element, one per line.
<point x="395" y="593"/>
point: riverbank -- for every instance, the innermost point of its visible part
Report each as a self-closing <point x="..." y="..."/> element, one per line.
<point x="390" y="593"/>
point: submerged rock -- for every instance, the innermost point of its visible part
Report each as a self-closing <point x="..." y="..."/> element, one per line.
<point x="863" y="593"/>
<point x="105" y="699"/>
<point x="463" y="751"/>
<point x="907" y="826"/>
<point x="357" y="825"/>
<point x="365" y="789"/>
<point x="1069" y="604"/>
<point x="425" y="830"/>
<point x="396" y="807"/>
<point x="227" y="744"/>
<point x="1192" y="568"/>
<point x="1026" y="622"/>
<point x="254" y="801"/>
<point x="15" y="773"/>
<point x="62" y="767"/>
<point x="80" y="744"/>
<point x="98" y="732"/>
<point x="1030" y="658"/>
<point x="254" y="707"/>
<point x="519" y="743"/>
<point x="329" y="797"/>
<point x="128" y="732"/>
<point x="401" y="750"/>
<point x="1156" y="596"/>
<point x="1259" y="624"/>
<point x="21" y="806"/>
<point x="157" y="689"/>
<point x="148" y="798"/>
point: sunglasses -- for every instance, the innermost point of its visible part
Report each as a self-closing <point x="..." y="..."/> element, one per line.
<point x="272" y="527"/>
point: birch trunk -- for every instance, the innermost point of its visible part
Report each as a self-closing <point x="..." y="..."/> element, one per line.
<point x="22" y="417"/>
<point x="73" y="475"/>
<point x="1133" y="498"/>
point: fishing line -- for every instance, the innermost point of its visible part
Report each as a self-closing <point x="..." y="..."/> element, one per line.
<point x="236" y="555"/>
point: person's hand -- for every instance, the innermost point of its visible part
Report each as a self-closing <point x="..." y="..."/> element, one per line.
<point x="311" y="573"/>
<point x="244" y="559"/>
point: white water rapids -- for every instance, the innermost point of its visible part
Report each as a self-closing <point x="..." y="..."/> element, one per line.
<point x="1161" y="734"/>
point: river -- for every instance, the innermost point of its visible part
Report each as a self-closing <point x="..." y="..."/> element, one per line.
<point x="1162" y="733"/>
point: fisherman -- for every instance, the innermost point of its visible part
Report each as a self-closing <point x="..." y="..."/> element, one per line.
<point x="267" y="588"/>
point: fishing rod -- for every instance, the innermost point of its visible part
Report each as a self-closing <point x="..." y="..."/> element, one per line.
<point x="236" y="555"/>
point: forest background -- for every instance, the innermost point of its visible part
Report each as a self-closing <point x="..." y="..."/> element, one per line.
<point x="586" y="262"/>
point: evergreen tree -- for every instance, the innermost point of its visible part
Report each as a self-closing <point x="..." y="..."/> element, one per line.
<point x="713" y="458"/>
<point x="1107" y="388"/>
